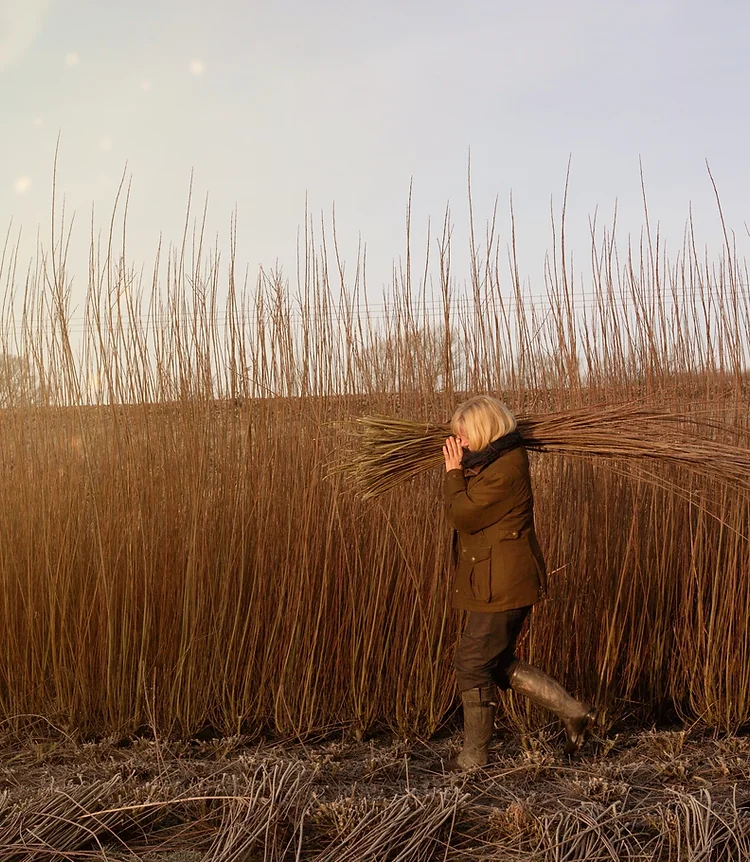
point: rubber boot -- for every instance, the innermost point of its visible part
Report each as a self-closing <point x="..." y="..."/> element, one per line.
<point x="545" y="691"/>
<point x="480" y="706"/>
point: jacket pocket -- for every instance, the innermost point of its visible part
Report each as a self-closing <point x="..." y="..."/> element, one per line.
<point x="516" y="571"/>
<point x="474" y="574"/>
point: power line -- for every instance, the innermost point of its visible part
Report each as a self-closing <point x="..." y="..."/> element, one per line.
<point x="433" y="310"/>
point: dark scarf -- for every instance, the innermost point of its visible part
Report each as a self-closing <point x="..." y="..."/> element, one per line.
<point x="473" y="462"/>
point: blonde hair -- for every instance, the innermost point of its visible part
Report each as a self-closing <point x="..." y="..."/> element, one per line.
<point x="484" y="419"/>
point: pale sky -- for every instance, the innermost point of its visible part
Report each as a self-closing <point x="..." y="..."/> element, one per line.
<point x="345" y="102"/>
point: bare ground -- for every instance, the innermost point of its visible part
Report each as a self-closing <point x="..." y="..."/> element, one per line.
<point x="663" y="795"/>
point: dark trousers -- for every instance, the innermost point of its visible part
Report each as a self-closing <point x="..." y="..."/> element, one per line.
<point x="487" y="648"/>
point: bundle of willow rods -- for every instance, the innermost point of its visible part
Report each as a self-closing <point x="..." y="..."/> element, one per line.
<point x="387" y="451"/>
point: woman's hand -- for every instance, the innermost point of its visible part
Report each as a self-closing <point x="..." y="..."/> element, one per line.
<point x="453" y="453"/>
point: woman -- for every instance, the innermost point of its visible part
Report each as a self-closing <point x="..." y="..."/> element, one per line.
<point x="499" y="576"/>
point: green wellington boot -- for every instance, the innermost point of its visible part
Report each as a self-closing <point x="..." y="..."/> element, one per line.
<point x="480" y="706"/>
<point x="545" y="691"/>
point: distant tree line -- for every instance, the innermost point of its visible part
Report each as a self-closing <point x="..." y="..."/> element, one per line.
<point x="19" y="386"/>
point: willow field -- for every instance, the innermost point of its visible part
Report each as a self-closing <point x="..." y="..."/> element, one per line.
<point x="179" y="548"/>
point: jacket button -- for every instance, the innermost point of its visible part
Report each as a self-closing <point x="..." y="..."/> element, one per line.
<point x="473" y="559"/>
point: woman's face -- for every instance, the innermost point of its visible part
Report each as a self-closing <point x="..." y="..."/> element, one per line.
<point x="461" y="437"/>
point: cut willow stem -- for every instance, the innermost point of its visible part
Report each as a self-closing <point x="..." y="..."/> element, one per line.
<point x="384" y="452"/>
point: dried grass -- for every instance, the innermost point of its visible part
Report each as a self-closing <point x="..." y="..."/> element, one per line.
<point x="654" y="796"/>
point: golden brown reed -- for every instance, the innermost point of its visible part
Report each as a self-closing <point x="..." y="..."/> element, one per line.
<point x="177" y="549"/>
